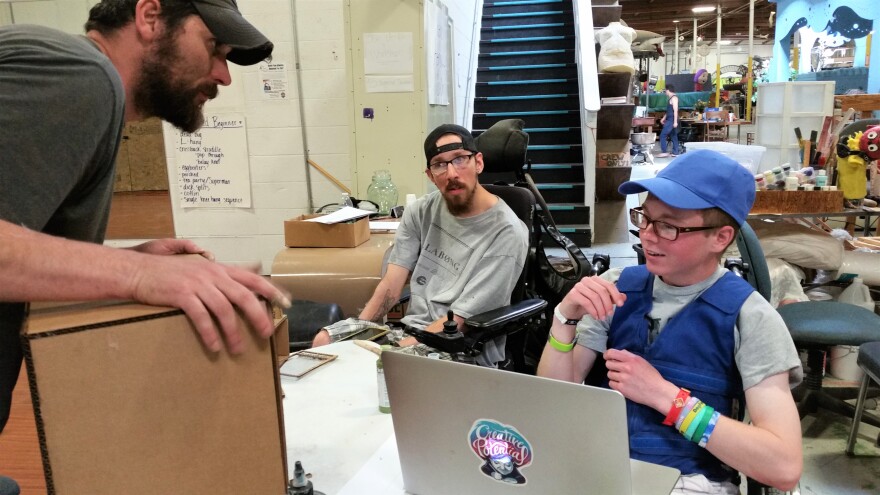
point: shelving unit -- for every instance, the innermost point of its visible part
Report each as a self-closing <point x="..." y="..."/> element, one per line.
<point x="784" y="106"/>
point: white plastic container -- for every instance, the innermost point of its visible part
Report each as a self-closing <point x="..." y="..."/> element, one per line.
<point x="843" y="363"/>
<point x="857" y="293"/>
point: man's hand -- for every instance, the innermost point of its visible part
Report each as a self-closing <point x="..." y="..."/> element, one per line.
<point x="172" y="246"/>
<point x="674" y="125"/>
<point x="209" y="293"/>
<point x="321" y="338"/>
<point x="638" y="381"/>
<point x="662" y="120"/>
<point x="592" y="295"/>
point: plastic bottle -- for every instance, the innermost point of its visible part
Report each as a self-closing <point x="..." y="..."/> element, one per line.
<point x="821" y="179"/>
<point x="384" y="403"/>
<point x="346" y="201"/>
<point x="760" y="183"/>
<point x="857" y="293"/>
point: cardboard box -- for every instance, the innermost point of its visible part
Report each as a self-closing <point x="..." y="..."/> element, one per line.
<point x="298" y="233"/>
<point x="127" y="400"/>
<point x="281" y="339"/>
<point x="613" y="153"/>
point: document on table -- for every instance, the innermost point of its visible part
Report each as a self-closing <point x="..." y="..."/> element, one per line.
<point x="382" y="226"/>
<point x="341" y="215"/>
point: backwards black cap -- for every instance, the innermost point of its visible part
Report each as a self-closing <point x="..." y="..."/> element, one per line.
<point x="432" y="150"/>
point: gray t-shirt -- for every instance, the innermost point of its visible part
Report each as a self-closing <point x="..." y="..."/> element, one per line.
<point x="62" y="108"/>
<point x="763" y="346"/>
<point x="469" y="265"/>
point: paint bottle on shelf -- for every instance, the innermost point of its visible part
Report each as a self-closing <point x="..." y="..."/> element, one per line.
<point x="821" y="179"/>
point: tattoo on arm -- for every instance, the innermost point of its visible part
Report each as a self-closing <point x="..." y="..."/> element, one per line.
<point x="388" y="302"/>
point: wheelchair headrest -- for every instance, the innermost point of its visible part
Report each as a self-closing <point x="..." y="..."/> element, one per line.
<point x="503" y="146"/>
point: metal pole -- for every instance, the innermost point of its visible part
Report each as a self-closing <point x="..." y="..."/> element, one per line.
<point x="675" y="59"/>
<point x="694" y="50"/>
<point x="750" y="72"/>
<point x="718" y="61"/>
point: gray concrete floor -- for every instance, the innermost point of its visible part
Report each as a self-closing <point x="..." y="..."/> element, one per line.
<point x="827" y="470"/>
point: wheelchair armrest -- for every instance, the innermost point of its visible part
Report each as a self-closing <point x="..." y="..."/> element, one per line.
<point x="507" y="314"/>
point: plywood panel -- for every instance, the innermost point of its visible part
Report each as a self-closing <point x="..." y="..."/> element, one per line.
<point x="19" y="446"/>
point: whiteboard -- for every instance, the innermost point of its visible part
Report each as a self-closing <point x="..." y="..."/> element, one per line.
<point x="212" y="164"/>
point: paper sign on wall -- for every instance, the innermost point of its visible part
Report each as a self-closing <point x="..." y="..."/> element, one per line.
<point x="388" y="62"/>
<point x="273" y="79"/>
<point x="212" y="164"/>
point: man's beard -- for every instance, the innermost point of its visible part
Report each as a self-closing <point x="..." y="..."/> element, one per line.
<point x="159" y="94"/>
<point x="459" y="205"/>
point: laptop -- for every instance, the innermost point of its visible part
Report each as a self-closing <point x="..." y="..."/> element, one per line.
<point x="466" y="429"/>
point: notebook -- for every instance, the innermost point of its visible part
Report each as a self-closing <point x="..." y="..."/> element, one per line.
<point x="467" y="429"/>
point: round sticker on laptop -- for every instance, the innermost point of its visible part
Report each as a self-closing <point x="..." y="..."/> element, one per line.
<point x="504" y="450"/>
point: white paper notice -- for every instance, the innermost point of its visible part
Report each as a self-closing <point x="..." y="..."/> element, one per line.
<point x="212" y="164"/>
<point x="388" y="53"/>
<point x="273" y="79"/>
<point x="340" y="215"/>
<point x="388" y="84"/>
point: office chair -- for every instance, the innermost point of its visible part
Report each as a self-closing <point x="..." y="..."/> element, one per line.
<point x="869" y="361"/>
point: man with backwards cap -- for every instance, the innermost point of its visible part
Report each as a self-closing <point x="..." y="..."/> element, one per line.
<point x="64" y="101"/>
<point x="461" y="246"/>
<point x="683" y="338"/>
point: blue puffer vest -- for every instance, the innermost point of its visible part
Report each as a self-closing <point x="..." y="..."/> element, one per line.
<point x="686" y="354"/>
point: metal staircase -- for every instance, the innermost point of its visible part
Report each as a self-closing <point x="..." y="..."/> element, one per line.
<point x="527" y="71"/>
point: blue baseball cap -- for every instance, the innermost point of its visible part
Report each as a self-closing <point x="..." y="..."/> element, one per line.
<point x="698" y="180"/>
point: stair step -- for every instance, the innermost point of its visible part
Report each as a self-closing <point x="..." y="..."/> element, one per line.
<point x="551" y="135"/>
<point x="569" y="213"/>
<point x="527" y="43"/>
<point x="523" y="72"/>
<point x="556" y="153"/>
<point x="562" y="192"/>
<point x="507" y="20"/>
<point x="488" y="33"/>
<point x="536" y="119"/>
<point x="526" y="87"/>
<point x="495" y="104"/>
<point x="557" y="172"/>
<point x="526" y="57"/>
<point x="509" y="15"/>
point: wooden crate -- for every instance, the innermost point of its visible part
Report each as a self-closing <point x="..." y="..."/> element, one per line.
<point x="798" y="202"/>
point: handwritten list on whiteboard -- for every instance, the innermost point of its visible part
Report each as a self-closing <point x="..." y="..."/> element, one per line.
<point x="212" y="164"/>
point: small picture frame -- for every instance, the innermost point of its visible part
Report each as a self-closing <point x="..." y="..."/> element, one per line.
<point x="302" y="362"/>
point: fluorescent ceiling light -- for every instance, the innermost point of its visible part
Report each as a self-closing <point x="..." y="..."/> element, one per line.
<point x="724" y="42"/>
<point x="700" y="10"/>
<point x="674" y="21"/>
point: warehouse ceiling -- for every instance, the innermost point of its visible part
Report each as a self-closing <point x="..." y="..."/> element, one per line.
<point x="658" y="16"/>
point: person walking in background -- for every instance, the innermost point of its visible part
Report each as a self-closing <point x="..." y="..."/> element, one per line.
<point x="670" y="123"/>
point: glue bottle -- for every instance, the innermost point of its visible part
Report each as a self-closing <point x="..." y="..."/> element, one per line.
<point x="857" y="293"/>
<point x="384" y="403"/>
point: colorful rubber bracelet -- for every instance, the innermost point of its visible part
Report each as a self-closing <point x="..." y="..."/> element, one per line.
<point x="677" y="404"/>
<point x="691" y="431"/>
<point x="709" y="429"/>
<point x="559" y="346"/>
<point x="691" y="416"/>
<point x="704" y="422"/>
<point x="692" y="401"/>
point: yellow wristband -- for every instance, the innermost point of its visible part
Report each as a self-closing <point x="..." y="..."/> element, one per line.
<point x="559" y="346"/>
<point x="691" y="415"/>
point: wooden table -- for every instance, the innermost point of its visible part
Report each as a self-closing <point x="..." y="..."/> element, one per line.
<point x="706" y="126"/>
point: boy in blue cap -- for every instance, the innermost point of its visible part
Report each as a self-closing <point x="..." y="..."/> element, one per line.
<point x="686" y="341"/>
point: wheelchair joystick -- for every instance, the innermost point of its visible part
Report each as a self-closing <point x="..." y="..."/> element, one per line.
<point x="450" y="327"/>
<point x="450" y="340"/>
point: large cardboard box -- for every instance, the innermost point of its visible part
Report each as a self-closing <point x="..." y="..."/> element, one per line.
<point x="298" y="233"/>
<point x="127" y="400"/>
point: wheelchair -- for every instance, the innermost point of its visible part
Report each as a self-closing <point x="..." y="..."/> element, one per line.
<point x="545" y="279"/>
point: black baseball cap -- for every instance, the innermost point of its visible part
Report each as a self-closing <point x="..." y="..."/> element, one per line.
<point x="432" y="150"/>
<point x="249" y="45"/>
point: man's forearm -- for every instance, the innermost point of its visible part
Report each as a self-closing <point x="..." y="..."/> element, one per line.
<point x="379" y="305"/>
<point x="40" y="267"/>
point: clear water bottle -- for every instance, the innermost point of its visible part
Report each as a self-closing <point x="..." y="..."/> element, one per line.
<point x="857" y="293"/>
<point x="346" y="201"/>
<point x="382" y="191"/>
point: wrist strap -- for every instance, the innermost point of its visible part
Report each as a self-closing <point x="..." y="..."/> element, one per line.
<point x="559" y="346"/>
<point x="677" y="404"/>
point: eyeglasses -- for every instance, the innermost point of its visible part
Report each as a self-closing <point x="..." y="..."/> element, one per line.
<point x="662" y="229"/>
<point x="459" y="162"/>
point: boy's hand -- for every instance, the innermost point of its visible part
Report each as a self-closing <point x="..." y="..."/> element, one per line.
<point x="594" y="296"/>
<point x="637" y="380"/>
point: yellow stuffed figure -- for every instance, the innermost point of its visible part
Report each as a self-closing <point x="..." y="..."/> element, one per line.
<point x="851" y="166"/>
